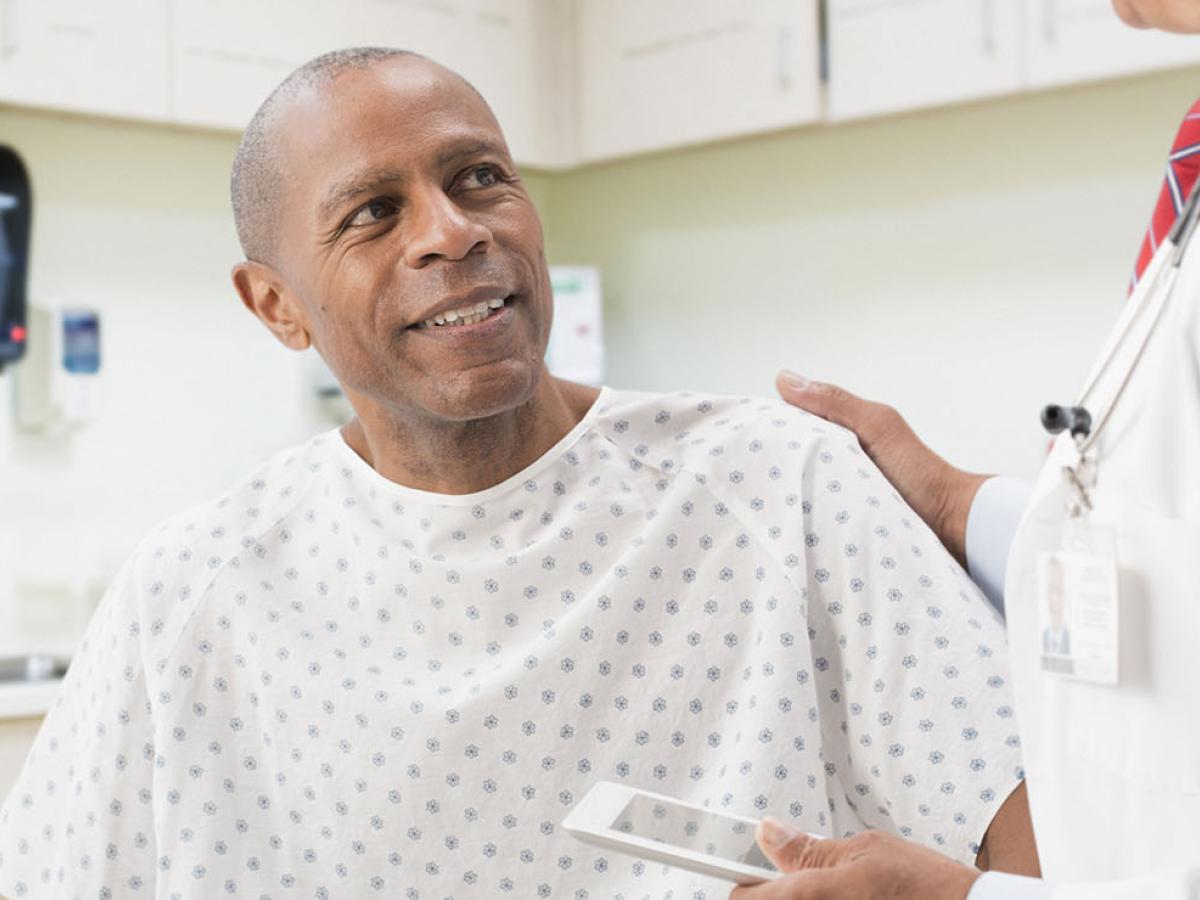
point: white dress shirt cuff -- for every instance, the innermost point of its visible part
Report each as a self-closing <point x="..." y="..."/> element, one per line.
<point x="999" y="886"/>
<point x="991" y="525"/>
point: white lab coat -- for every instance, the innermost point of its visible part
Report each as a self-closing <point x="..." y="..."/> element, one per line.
<point x="1114" y="772"/>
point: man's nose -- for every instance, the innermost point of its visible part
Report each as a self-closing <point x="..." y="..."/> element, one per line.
<point x="440" y="229"/>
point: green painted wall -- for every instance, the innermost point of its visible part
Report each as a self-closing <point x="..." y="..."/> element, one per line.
<point x="939" y="260"/>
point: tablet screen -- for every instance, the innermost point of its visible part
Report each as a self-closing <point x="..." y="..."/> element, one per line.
<point x="696" y="830"/>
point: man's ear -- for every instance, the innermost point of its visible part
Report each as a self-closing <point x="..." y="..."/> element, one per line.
<point x="264" y="293"/>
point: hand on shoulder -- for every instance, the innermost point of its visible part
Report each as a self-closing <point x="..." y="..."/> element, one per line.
<point x="937" y="491"/>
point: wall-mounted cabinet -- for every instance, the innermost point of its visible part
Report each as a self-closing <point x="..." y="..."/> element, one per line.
<point x="661" y="74"/>
<point x="223" y="73"/>
<point x="577" y="80"/>
<point x="1079" y="40"/>
<point x="892" y="55"/>
<point x="108" y="58"/>
<point x="497" y="45"/>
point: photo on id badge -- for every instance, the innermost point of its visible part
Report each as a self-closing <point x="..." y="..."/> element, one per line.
<point x="1054" y="615"/>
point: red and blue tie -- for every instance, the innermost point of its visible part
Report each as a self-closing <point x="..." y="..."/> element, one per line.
<point x="1183" y="167"/>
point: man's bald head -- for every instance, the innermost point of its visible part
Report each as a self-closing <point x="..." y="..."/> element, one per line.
<point x="256" y="182"/>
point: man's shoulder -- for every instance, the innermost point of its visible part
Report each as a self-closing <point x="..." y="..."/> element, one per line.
<point x="198" y="542"/>
<point x="701" y="432"/>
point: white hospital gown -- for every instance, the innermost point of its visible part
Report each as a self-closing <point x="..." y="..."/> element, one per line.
<point x="323" y="684"/>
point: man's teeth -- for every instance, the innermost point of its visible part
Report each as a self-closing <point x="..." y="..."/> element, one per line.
<point x="468" y="315"/>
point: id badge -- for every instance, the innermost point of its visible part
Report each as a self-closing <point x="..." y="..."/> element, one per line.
<point x="1078" y="609"/>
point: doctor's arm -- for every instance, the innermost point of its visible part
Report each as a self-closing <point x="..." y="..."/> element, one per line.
<point x="974" y="516"/>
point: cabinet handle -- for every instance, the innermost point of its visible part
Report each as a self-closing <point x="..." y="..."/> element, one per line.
<point x="1050" y="21"/>
<point x="10" y="43"/>
<point x="987" y="14"/>
<point x="783" y="69"/>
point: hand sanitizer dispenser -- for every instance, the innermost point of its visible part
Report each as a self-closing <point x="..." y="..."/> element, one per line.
<point x="58" y="384"/>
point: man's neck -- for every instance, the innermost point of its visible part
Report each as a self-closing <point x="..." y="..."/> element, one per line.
<point x="465" y="457"/>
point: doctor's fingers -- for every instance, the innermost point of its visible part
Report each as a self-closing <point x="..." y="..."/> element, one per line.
<point x="938" y="492"/>
<point x="791" y="850"/>
<point x="883" y="432"/>
<point x="881" y="429"/>
<point x="813" y="884"/>
<point x="810" y="858"/>
<point x="830" y="402"/>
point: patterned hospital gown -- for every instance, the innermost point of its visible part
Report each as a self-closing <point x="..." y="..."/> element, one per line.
<point x="324" y="684"/>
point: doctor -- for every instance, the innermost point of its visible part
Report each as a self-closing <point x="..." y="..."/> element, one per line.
<point x="1111" y="725"/>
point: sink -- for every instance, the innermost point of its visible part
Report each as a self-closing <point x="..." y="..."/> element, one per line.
<point x="33" y="667"/>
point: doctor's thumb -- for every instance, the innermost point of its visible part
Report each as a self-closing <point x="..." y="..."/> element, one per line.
<point x="825" y="400"/>
<point x="790" y="849"/>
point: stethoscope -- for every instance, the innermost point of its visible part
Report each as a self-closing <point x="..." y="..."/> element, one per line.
<point x="1144" y="307"/>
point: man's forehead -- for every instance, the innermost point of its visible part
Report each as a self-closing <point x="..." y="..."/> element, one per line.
<point x="411" y="95"/>
<point x="380" y="123"/>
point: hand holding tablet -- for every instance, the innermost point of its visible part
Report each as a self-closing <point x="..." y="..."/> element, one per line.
<point x="660" y="828"/>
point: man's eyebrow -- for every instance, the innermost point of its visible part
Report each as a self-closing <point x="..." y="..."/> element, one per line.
<point x="472" y="148"/>
<point x="367" y="180"/>
<point x="357" y="183"/>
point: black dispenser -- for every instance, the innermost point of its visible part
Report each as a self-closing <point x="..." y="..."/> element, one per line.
<point x="16" y="207"/>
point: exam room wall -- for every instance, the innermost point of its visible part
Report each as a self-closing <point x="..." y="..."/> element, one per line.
<point x="962" y="263"/>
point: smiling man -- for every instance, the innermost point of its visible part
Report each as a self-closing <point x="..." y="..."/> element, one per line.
<point x="390" y="660"/>
<point x="392" y="232"/>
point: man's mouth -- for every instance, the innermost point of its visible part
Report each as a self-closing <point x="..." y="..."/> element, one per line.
<point x="466" y="315"/>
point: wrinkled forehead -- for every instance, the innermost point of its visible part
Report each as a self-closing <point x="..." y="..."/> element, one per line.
<point x="404" y="114"/>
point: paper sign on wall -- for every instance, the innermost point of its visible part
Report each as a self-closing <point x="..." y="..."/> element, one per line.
<point x="576" y="348"/>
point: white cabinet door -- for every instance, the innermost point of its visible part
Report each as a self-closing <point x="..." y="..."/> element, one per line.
<point x="1078" y="40"/>
<point x="82" y="55"/>
<point x="498" y="50"/>
<point x="891" y="55"/>
<point x="497" y="45"/>
<point x="229" y="54"/>
<point x="661" y="73"/>
<point x="552" y="93"/>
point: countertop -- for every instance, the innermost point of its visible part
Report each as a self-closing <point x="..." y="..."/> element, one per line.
<point x="27" y="699"/>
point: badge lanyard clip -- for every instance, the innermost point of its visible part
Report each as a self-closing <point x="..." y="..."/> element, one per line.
<point x="1080" y="478"/>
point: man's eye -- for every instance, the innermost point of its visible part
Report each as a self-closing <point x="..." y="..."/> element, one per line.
<point x="481" y="176"/>
<point x="375" y="211"/>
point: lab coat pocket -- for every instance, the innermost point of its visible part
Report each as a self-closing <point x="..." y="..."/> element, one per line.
<point x="1146" y="729"/>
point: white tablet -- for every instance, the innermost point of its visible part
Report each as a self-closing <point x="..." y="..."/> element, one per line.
<point x="660" y="828"/>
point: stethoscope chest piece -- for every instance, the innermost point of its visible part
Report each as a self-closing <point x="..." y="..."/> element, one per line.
<point x="1074" y="419"/>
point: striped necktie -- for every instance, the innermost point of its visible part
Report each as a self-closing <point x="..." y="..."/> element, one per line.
<point x="1183" y="166"/>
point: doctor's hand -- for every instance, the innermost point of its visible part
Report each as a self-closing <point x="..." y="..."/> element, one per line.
<point x="867" y="866"/>
<point x="939" y="493"/>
